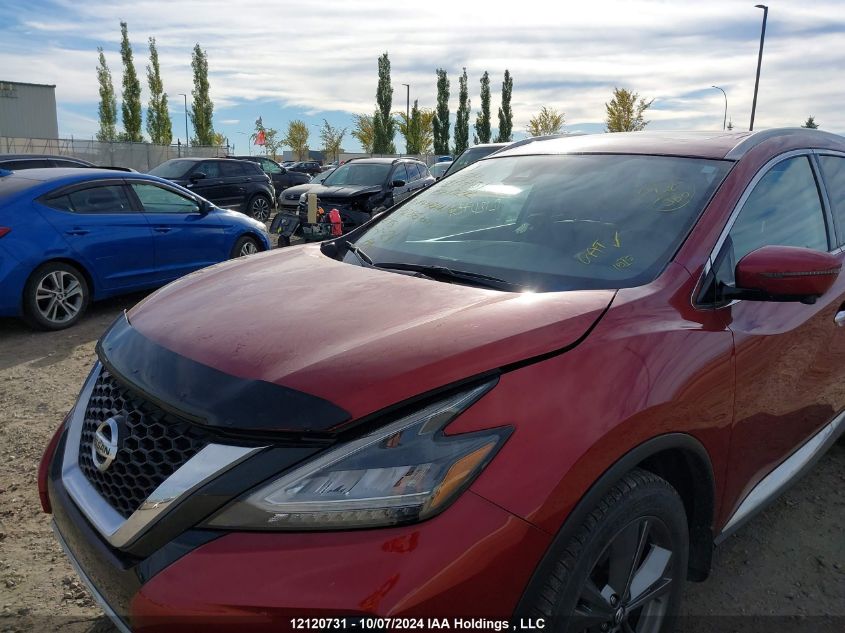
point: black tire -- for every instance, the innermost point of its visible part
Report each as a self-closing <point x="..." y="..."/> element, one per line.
<point x="55" y="297"/>
<point x="637" y="532"/>
<point x="284" y="240"/>
<point x="260" y="207"/>
<point x="245" y="245"/>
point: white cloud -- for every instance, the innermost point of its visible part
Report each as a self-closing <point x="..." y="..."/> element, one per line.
<point x="565" y="55"/>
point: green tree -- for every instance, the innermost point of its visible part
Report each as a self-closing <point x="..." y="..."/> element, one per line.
<point x="462" y="116"/>
<point x="441" y="116"/>
<point x="505" y="112"/>
<point x="131" y="106"/>
<point x="810" y="123"/>
<point x="383" y="123"/>
<point x="625" y="112"/>
<point x="482" y="120"/>
<point x="108" y="104"/>
<point x="547" y="121"/>
<point x="363" y="131"/>
<point x="417" y="129"/>
<point x="332" y="138"/>
<point x="158" y="115"/>
<point x="297" y="139"/>
<point x="202" y="108"/>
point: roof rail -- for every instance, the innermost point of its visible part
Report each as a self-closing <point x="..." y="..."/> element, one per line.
<point x="755" y="138"/>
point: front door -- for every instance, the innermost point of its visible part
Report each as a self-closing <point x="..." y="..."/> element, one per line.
<point x="184" y="238"/>
<point x="400" y="173"/>
<point x="112" y="240"/>
<point x="789" y="356"/>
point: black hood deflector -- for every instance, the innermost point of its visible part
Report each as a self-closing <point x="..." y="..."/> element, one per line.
<point x="208" y="396"/>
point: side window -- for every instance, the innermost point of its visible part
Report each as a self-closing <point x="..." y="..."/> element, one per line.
<point x="99" y="200"/>
<point x="833" y="169"/>
<point x="58" y="162"/>
<point x="413" y="171"/>
<point x="27" y="163"/>
<point x="784" y="209"/>
<point x="423" y="171"/>
<point x="231" y="169"/>
<point x="210" y="168"/>
<point x="399" y="173"/>
<point x="156" y="199"/>
<point x="270" y="167"/>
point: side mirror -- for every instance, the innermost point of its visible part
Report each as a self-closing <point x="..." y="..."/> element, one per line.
<point x="784" y="273"/>
<point x="398" y="183"/>
<point x="205" y="207"/>
<point x="196" y="176"/>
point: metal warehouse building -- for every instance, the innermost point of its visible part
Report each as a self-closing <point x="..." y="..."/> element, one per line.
<point x="28" y="110"/>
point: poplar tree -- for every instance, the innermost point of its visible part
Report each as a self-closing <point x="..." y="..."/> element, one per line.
<point x="383" y="123"/>
<point x="202" y="109"/>
<point x="462" y="116"/>
<point x="505" y="112"/>
<point x="108" y="104"/>
<point x="158" y="116"/>
<point x="441" y="115"/>
<point x="482" y="120"/>
<point x="131" y="107"/>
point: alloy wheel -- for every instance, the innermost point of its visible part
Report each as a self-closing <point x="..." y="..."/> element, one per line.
<point x="260" y="209"/>
<point x="59" y="296"/>
<point x="248" y="248"/>
<point x="628" y="589"/>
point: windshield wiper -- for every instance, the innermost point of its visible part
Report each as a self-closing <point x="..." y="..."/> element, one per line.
<point x="443" y="272"/>
<point x="360" y="254"/>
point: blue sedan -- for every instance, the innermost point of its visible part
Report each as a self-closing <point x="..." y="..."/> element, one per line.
<point x="70" y="236"/>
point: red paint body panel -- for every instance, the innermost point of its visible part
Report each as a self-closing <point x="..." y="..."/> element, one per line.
<point x="362" y="338"/>
<point x="446" y="566"/>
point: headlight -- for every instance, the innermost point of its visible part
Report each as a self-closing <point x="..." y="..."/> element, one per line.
<point x="405" y="472"/>
<point x="303" y="198"/>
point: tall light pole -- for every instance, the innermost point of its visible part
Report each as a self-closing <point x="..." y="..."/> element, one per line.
<point x="759" y="62"/>
<point x="408" y="101"/>
<point x="725" y="118"/>
<point x="182" y="94"/>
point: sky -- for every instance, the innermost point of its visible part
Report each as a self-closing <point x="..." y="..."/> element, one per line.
<point x="312" y="61"/>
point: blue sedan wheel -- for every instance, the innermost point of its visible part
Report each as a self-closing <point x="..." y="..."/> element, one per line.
<point x="56" y="296"/>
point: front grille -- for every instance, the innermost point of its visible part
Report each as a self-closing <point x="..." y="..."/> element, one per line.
<point x="152" y="444"/>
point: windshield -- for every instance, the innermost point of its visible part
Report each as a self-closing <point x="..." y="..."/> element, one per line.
<point x="552" y="222"/>
<point x="470" y="156"/>
<point x="172" y="169"/>
<point x="364" y="174"/>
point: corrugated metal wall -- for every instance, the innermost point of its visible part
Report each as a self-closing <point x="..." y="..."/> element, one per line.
<point x="28" y="110"/>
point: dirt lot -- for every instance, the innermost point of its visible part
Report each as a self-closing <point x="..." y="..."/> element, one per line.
<point x="789" y="562"/>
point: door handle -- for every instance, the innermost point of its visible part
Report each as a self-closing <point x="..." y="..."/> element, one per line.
<point x="161" y="229"/>
<point x="77" y="232"/>
<point x="839" y="319"/>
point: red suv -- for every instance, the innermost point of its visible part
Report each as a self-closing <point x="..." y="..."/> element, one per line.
<point x="544" y="387"/>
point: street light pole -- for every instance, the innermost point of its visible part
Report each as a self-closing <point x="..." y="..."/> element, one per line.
<point x="408" y="101"/>
<point x="725" y="118"/>
<point x="182" y="94"/>
<point x="759" y="62"/>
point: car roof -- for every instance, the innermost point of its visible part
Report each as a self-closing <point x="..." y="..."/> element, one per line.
<point x="40" y="156"/>
<point x="714" y="145"/>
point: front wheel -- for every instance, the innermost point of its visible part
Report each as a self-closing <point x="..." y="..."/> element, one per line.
<point x="623" y="571"/>
<point x="260" y="207"/>
<point x="55" y="297"/>
<point x="245" y="245"/>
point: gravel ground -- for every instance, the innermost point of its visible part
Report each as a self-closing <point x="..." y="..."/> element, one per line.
<point x="784" y="571"/>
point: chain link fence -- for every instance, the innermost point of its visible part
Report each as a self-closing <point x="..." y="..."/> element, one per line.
<point x="139" y="156"/>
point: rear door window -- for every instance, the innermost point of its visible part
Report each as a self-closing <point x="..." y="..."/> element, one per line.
<point x="413" y="171"/>
<point x="210" y="168"/>
<point x="399" y="173"/>
<point x="231" y="169"/>
<point x="95" y="200"/>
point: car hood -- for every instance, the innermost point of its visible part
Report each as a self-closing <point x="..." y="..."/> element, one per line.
<point x="298" y="190"/>
<point x="359" y="338"/>
<point x="346" y="191"/>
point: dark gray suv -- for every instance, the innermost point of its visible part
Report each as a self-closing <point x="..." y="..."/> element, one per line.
<point x="228" y="183"/>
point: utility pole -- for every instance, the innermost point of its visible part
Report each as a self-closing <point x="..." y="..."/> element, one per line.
<point x="407" y="101"/>
<point x="182" y="94"/>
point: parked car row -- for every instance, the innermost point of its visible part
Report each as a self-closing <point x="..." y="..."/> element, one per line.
<point x="540" y="390"/>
